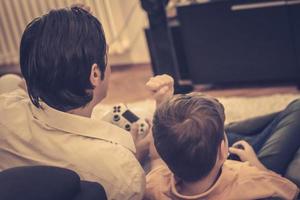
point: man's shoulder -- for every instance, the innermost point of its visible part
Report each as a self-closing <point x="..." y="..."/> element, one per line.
<point x="17" y="93"/>
<point x="6" y="99"/>
<point x="108" y="159"/>
<point x="13" y="105"/>
<point x="117" y="168"/>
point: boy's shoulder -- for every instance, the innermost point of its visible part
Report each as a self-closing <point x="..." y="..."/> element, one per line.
<point x="251" y="181"/>
<point x="238" y="180"/>
<point x="244" y="173"/>
<point x="158" y="183"/>
<point x="244" y="170"/>
<point x="160" y="175"/>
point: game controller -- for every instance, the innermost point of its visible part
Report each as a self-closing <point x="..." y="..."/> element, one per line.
<point x="239" y="146"/>
<point x="236" y="157"/>
<point x="121" y="116"/>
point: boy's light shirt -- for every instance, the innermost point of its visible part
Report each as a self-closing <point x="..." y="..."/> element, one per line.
<point x="238" y="180"/>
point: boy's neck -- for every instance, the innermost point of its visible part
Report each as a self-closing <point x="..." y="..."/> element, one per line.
<point x="198" y="187"/>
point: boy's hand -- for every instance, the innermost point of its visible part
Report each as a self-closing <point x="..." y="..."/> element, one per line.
<point x="246" y="153"/>
<point x="162" y="87"/>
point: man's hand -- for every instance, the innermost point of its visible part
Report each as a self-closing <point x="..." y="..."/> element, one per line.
<point x="162" y="87"/>
<point x="246" y="153"/>
<point x="153" y="154"/>
<point x="155" y="159"/>
<point x="141" y="143"/>
<point x="83" y="6"/>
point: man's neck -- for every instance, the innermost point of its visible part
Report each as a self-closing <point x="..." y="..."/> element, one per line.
<point x="195" y="188"/>
<point x="85" y="111"/>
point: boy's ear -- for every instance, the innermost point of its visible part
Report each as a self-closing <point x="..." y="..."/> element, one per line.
<point x="95" y="75"/>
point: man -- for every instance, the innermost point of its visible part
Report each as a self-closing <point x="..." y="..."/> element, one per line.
<point x="63" y="58"/>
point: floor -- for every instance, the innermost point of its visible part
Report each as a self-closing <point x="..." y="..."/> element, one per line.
<point x="128" y="85"/>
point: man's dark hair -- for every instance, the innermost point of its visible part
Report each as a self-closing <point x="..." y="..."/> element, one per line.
<point x="57" y="52"/>
<point x="188" y="130"/>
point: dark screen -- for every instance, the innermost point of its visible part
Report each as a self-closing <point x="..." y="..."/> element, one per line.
<point x="130" y="116"/>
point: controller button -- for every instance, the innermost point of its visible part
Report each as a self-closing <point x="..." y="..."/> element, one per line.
<point x="116" y="118"/>
<point x="127" y="127"/>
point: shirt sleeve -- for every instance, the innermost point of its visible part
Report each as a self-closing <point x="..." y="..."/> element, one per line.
<point x="138" y="191"/>
<point x="133" y="176"/>
<point x="120" y="173"/>
<point x="158" y="184"/>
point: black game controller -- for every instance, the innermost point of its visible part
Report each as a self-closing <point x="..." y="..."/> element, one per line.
<point x="236" y="157"/>
<point x="239" y="146"/>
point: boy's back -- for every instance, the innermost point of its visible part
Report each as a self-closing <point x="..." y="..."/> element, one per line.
<point x="238" y="180"/>
<point x="189" y="156"/>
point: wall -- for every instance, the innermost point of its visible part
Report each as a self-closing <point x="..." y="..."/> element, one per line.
<point x="123" y="22"/>
<point x="137" y="51"/>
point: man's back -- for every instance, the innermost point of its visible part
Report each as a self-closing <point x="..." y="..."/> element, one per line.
<point x="96" y="150"/>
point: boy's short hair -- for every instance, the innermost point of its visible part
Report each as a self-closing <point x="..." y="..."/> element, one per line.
<point x="57" y="52"/>
<point x="188" y="130"/>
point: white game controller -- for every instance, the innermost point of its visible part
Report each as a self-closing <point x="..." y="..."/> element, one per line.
<point x="121" y="116"/>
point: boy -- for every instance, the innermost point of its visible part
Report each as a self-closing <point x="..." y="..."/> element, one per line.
<point x="191" y="162"/>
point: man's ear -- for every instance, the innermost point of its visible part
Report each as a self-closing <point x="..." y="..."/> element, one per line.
<point x="223" y="151"/>
<point x="95" y="75"/>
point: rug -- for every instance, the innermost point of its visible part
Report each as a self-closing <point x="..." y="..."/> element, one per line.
<point x="236" y="108"/>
